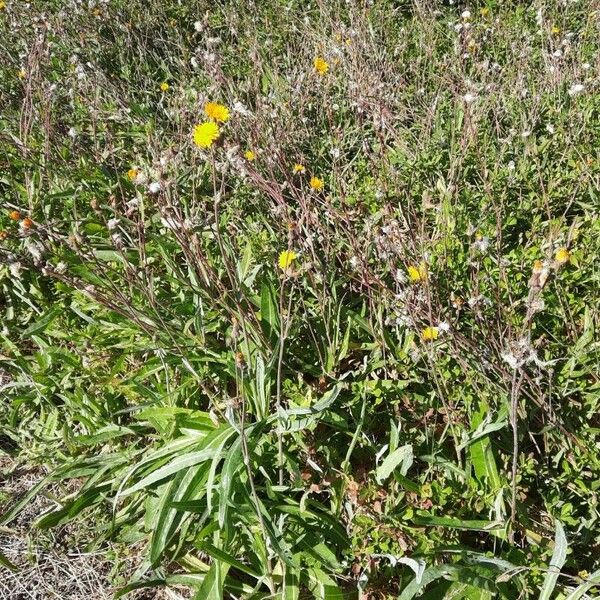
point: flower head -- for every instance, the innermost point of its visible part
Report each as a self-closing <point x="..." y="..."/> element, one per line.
<point x="249" y="155"/>
<point x="298" y="168"/>
<point x="321" y="66"/>
<point x="286" y="258"/>
<point x="26" y="223"/>
<point x="417" y="274"/>
<point x="21" y="73"/>
<point x="205" y="134"/>
<point x="216" y="111"/>
<point x="133" y="174"/>
<point x="164" y="86"/>
<point x="562" y="256"/>
<point x="430" y="333"/>
<point x="576" y="89"/>
<point x="555" y="29"/>
<point x="14" y="215"/>
<point x="316" y="183"/>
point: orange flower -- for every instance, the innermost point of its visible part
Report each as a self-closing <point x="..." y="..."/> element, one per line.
<point x="14" y="215"/>
<point x="27" y="223"/>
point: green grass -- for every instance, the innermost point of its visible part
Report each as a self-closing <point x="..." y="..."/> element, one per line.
<point x="290" y="433"/>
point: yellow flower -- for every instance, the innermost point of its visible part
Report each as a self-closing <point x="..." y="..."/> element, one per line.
<point x="286" y="258"/>
<point x="21" y="73"/>
<point x="205" y="134"/>
<point x="430" y="333"/>
<point x="555" y="29"/>
<point x="298" y="168"/>
<point x="321" y="66"/>
<point x="249" y="155"/>
<point x="416" y="274"/>
<point x="132" y="174"/>
<point x="216" y="111"/>
<point x="485" y="11"/>
<point x="164" y="86"/>
<point x="562" y="256"/>
<point x="2" y="5"/>
<point x="316" y="183"/>
<point x="14" y="215"/>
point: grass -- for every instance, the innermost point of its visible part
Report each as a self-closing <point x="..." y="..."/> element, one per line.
<point x="347" y="350"/>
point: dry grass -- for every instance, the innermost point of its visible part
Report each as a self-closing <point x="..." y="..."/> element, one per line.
<point x="54" y="565"/>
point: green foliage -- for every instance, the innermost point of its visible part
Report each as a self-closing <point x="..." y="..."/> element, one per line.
<point x="268" y="432"/>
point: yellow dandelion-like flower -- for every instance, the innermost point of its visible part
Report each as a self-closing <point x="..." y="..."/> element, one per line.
<point x="430" y="333"/>
<point x="216" y="111"/>
<point x="298" y="168"/>
<point x="21" y="73"/>
<point x="205" y="134"/>
<point x="562" y="256"/>
<point x="2" y="5"/>
<point x="164" y="86"/>
<point x="417" y="273"/>
<point x="249" y="155"/>
<point x="286" y="258"/>
<point x="321" y="66"/>
<point x="133" y="174"/>
<point x="555" y="29"/>
<point x="316" y="183"/>
<point x="485" y="11"/>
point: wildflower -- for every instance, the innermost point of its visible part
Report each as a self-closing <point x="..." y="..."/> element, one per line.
<point x="21" y="73"/>
<point x="540" y="274"/>
<point x="484" y="12"/>
<point x="286" y="258"/>
<point x="562" y="256"/>
<point x="239" y="108"/>
<point x="216" y="111"/>
<point x="164" y="86"/>
<point x="3" y="235"/>
<point x="205" y="134"/>
<point x="430" y="333"/>
<point x="444" y="326"/>
<point x="298" y="168"/>
<point x="576" y="89"/>
<point x="316" y="183"/>
<point x="133" y="174"/>
<point x="155" y="187"/>
<point x="321" y="66"/>
<point x="482" y="243"/>
<point x="416" y="274"/>
<point x="14" y="215"/>
<point x="26" y="223"/>
<point x="466" y="14"/>
<point x="555" y="29"/>
<point x="249" y="155"/>
<point x="2" y="5"/>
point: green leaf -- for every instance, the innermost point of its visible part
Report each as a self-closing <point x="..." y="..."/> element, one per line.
<point x="458" y="523"/>
<point x="7" y="564"/>
<point x="556" y="562"/>
<point x="42" y="323"/>
<point x="269" y="315"/>
<point x="212" y="586"/>
<point x="402" y="457"/>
